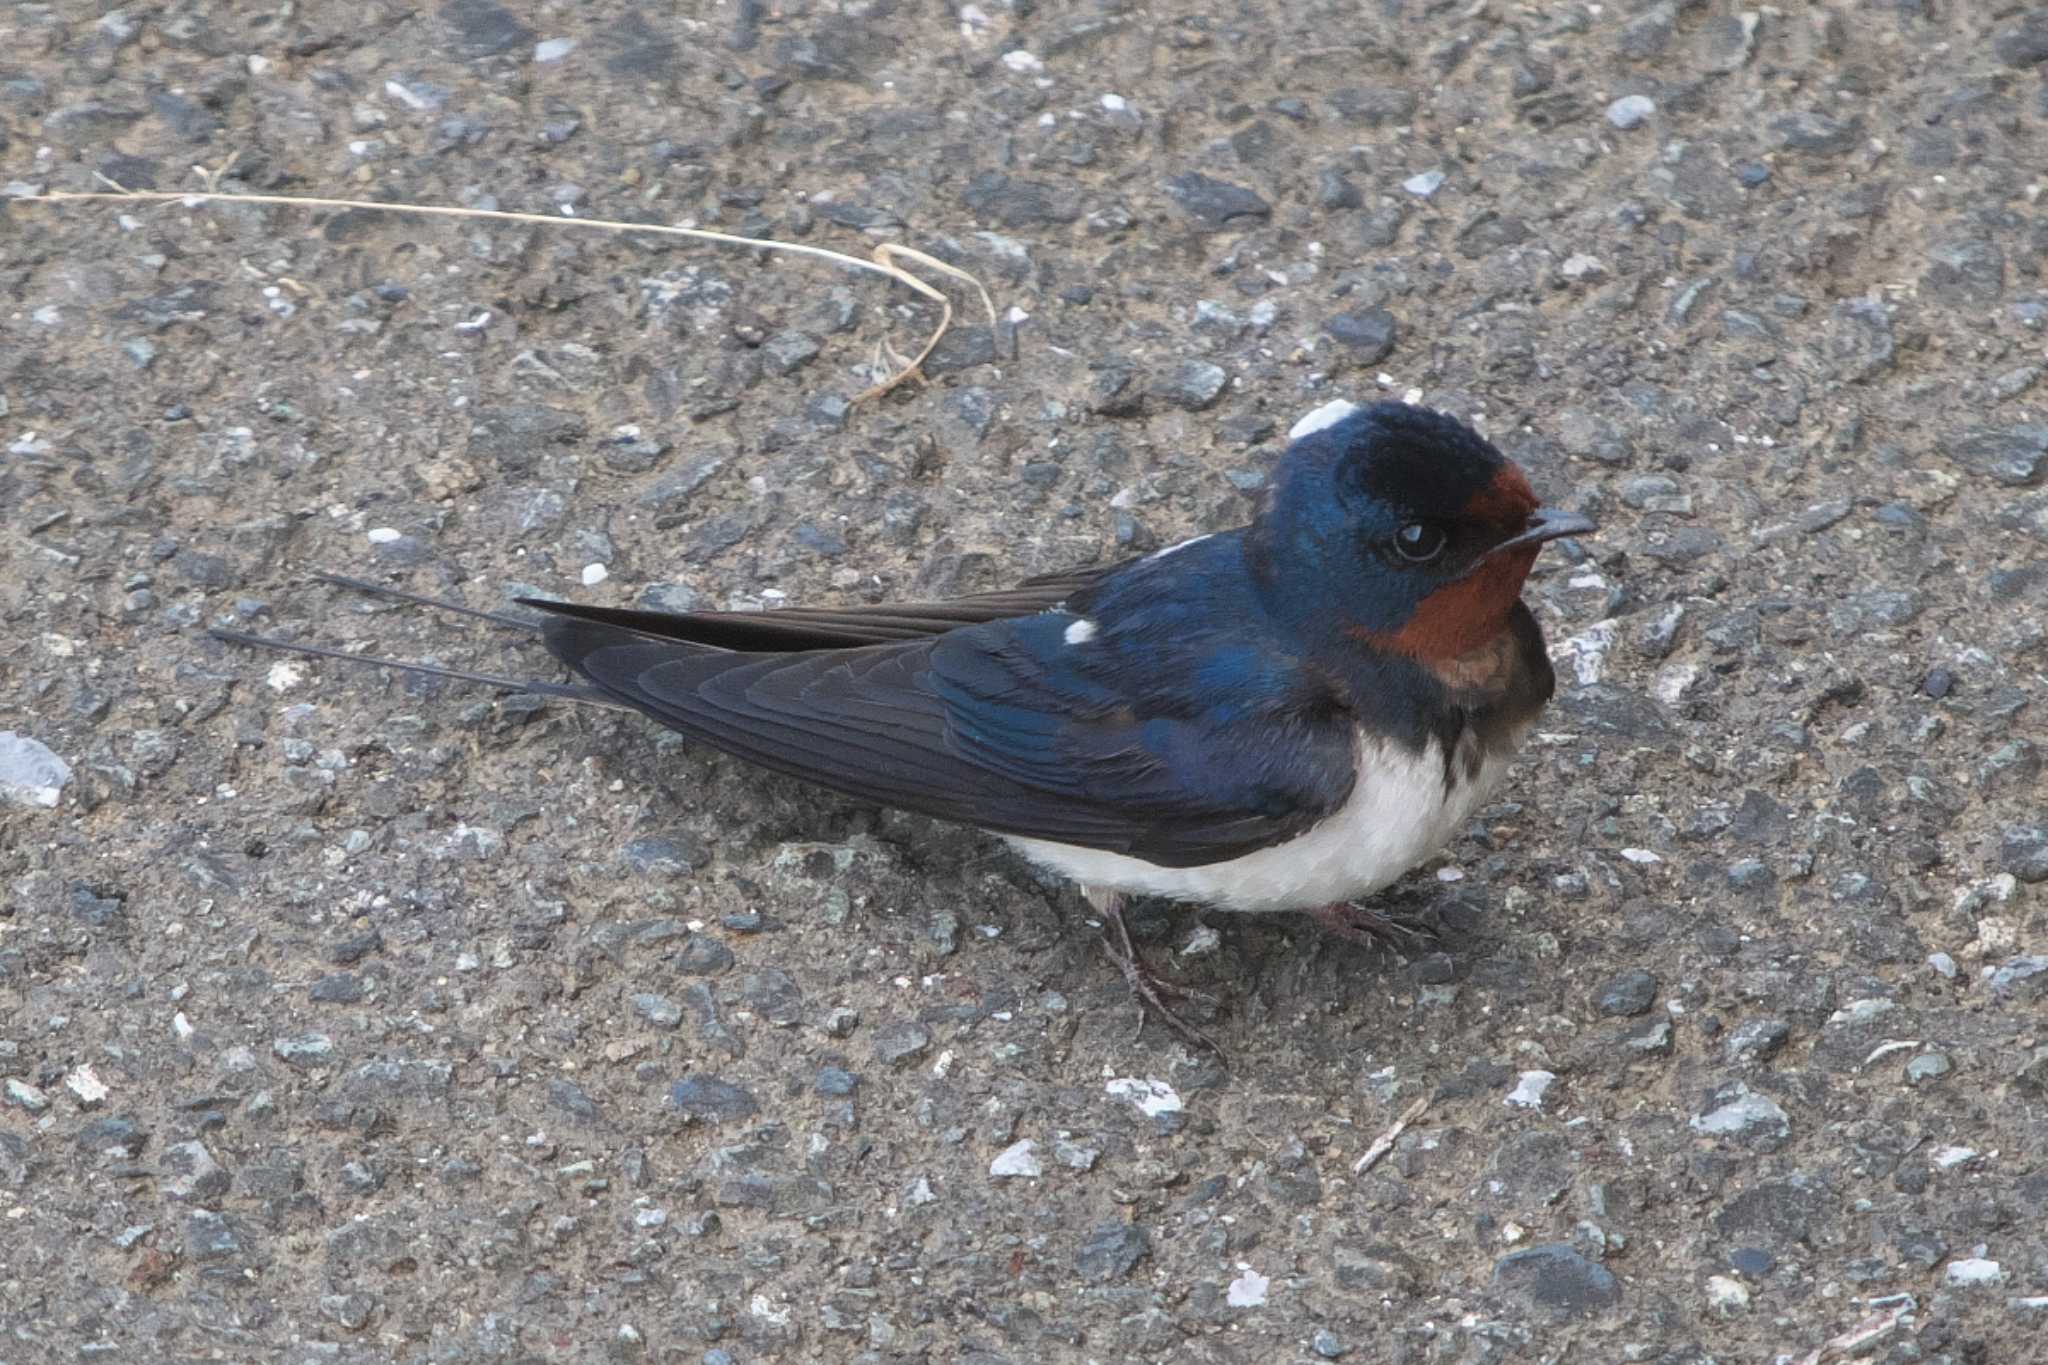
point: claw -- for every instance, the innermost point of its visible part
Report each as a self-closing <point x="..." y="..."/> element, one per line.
<point x="1149" y="989"/>
<point x="1372" y="927"/>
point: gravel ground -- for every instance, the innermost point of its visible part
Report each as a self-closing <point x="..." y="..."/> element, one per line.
<point x="349" y="1018"/>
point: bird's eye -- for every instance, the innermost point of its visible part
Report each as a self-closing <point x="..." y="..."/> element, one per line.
<point x="1419" y="542"/>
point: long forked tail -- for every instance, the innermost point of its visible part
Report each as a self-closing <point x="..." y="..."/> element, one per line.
<point x="578" y="692"/>
<point x="568" y="691"/>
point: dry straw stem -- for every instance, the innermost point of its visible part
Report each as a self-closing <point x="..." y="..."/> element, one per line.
<point x="883" y="261"/>
<point x="1384" y="1143"/>
<point x="1857" y="1339"/>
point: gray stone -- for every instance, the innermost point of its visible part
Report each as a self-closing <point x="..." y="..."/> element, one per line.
<point x="210" y="1237"/>
<point x="1755" y="1040"/>
<point x="517" y="435"/>
<point x="1109" y="1252"/>
<point x="658" y="1010"/>
<point x="2021" y="978"/>
<point x="483" y="28"/>
<point x="789" y="350"/>
<point x="2014" y="456"/>
<point x="2023" y="851"/>
<point x="305" y="1049"/>
<point x="1215" y="204"/>
<point x="190" y="1173"/>
<point x="707" y="1099"/>
<point x="901" y="1042"/>
<point x="1013" y="202"/>
<point x="1735" y="1111"/>
<point x="1630" y="993"/>
<point x="1367" y="334"/>
<point x="1192" y="384"/>
<point x="1555" y="1279"/>
<point x="2024" y="42"/>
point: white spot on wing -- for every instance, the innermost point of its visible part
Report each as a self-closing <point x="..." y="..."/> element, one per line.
<point x="1081" y="632"/>
<point x="1328" y="415"/>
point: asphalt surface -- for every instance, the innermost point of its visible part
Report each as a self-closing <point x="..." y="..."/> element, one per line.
<point x="349" y="1018"/>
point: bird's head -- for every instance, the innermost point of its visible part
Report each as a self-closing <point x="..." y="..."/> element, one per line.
<point x="1401" y="528"/>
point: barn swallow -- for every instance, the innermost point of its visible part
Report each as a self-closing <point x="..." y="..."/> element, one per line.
<point x="1284" y="716"/>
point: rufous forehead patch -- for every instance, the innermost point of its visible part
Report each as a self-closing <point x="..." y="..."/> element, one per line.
<point x="1507" y="499"/>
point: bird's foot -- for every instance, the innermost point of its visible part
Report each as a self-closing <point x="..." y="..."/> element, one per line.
<point x="1374" y="928"/>
<point x="1150" y="989"/>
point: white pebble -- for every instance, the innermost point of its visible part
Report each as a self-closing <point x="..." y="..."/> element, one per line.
<point x="383" y="535"/>
<point x="1974" y="1270"/>
<point x="1424" y="185"/>
<point x="1022" y="62"/>
<point x="1249" y="1289"/>
<point x="1630" y="110"/>
<point x="1018" y="1159"/>
<point x="553" y="49"/>
<point x="594" y="574"/>
<point x="1530" y="1089"/>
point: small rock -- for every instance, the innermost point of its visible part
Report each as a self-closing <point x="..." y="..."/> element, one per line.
<point x="1325" y="1344"/>
<point x="29" y="1097"/>
<point x="1626" y="995"/>
<point x="1072" y="1154"/>
<point x="1367" y="334"/>
<point x="2024" y="978"/>
<point x="1630" y="111"/>
<point x="901" y="1042"/>
<point x="1726" y="1294"/>
<point x="210" y="1237"/>
<point x="2024" y="43"/>
<point x="659" y="856"/>
<point x="2015" y="456"/>
<point x="1214" y="203"/>
<point x="30" y="774"/>
<point x="1755" y="1040"/>
<point x="1530" y="1089"/>
<point x="1425" y="184"/>
<point x="1651" y="1038"/>
<point x="1928" y="1066"/>
<point x="789" y="350"/>
<point x="1555" y="1278"/>
<point x="1109" y="1252"/>
<point x="191" y="1173"/>
<point x="835" y="1080"/>
<point x="2023" y="851"/>
<point x="710" y="1100"/>
<point x="1193" y="384"/>
<point x="658" y="1010"/>
<point x="1972" y="1272"/>
<point x="1248" y="1290"/>
<point x="1753" y="1262"/>
<point x="1019" y="1159"/>
<point x="304" y="1049"/>
<point x="1737" y="1111"/>
<point x="1817" y="135"/>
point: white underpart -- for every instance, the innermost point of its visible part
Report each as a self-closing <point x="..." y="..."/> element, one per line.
<point x="1328" y="415"/>
<point x="1398" y="814"/>
<point x="1081" y="632"/>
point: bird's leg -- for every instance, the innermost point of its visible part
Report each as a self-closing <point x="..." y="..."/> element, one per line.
<point x="1149" y="989"/>
<point x="1362" y="924"/>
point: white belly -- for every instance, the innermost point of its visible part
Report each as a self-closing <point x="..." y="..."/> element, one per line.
<point x="1398" y="814"/>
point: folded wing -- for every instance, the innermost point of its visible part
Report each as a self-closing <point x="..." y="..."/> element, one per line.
<point x="982" y="725"/>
